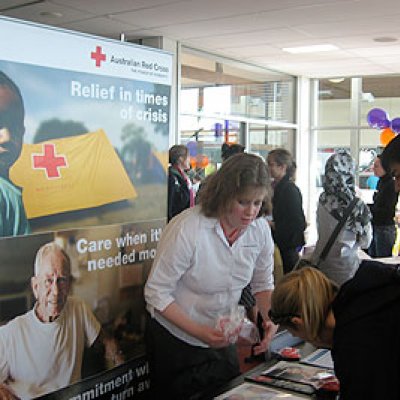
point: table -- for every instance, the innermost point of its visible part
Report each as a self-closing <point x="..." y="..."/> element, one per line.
<point x="282" y="339"/>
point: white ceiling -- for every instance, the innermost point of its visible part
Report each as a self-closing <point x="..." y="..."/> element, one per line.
<point x="250" y="30"/>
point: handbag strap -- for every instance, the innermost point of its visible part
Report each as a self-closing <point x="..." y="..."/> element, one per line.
<point x="337" y="229"/>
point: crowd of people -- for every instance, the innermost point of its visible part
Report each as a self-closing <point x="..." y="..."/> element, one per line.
<point x="216" y="254"/>
<point x="221" y="246"/>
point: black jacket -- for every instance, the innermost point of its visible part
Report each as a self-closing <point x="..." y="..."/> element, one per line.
<point x="178" y="193"/>
<point x="366" y="341"/>
<point x="385" y="200"/>
<point x="288" y="215"/>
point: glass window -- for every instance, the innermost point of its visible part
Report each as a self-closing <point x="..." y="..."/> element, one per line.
<point x="217" y="100"/>
<point x="264" y="139"/>
<point x="327" y="143"/>
<point x="238" y="89"/>
<point x="189" y="101"/>
<point x="211" y="130"/>
<point x="333" y="109"/>
<point x="219" y="97"/>
<point x="334" y="102"/>
<point x="206" y="136"/>
<point x="380" y="92"/>
<point x="370" y="147"/>
<point x="330" y="141"/>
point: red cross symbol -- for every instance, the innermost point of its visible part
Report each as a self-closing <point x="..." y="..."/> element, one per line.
<point x="98" y="56"/>
<point x="49" y="161"/>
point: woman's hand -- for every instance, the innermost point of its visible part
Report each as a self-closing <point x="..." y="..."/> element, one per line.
<point x="6" y="394"/>
<point x="269" y="332"/>
<point x="213" y="337"/>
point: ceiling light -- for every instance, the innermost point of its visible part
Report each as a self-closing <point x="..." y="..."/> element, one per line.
<point x="385" y="39"/>
<point x="336" y="80"/>
<point x="369" y="97"/>
<point x="310" y="49"/>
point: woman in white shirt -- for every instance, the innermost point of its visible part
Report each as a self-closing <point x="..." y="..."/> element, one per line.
<point x="342" y="261"/>
<point x="205" y="257"/>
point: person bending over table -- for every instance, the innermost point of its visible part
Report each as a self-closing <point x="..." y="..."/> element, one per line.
<point x="359" y="322"/>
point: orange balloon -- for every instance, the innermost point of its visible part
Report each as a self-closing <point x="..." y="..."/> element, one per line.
<point x="202" y="161"/>
<point x="193" y="162"/>
<point x="386" y="136"/>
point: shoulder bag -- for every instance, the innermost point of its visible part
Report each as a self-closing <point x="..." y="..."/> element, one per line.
<point x="325" y="251"/>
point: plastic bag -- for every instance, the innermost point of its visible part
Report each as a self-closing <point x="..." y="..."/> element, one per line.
<point x="249" y="332"/>
<point x="231" y="324"/>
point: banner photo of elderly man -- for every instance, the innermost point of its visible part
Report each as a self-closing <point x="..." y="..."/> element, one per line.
<point x="72" y="312"/>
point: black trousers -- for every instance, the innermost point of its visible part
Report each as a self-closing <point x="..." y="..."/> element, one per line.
<point x="179" y="370"/>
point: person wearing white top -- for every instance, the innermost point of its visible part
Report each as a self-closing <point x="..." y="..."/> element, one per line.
<point x="42" y="350"/>
<point x="205" y="257"/>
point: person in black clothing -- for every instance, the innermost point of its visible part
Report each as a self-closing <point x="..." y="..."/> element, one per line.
<point x="390" y="158"/>
<point x="383" y="211"/>
<point x="289" y="222"/>
<point x="180" y="193"/>
<point x="228" y="150"/>
<point x="359" y="322"/>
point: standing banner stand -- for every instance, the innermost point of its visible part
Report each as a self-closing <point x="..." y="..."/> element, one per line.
<point x="84" y="127"/>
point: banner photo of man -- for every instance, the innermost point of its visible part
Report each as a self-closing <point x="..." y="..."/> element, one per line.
<point x="83" y="131"/>
<point x="71" y="308"/>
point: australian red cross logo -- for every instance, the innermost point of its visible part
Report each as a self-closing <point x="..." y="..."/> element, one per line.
<point x="49" y="161"/>
<point x="98" y="56"/>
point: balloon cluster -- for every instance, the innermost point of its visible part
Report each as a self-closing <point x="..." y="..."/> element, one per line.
<point x="196" y="160"/>
<point x="379" y="119"/>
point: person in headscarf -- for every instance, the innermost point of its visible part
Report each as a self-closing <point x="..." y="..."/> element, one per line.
<point x="342" y="261"/>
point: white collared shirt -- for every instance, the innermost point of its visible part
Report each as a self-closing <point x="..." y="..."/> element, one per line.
<point x="196" y="268"/>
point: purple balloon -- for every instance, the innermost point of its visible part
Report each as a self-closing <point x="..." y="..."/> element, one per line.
<point x="192" y="147"/>
<point x="395" y="125"/>
<point x="385" y="124"/>
<point x="218" y="129"/>
<point x="378" y="118"/>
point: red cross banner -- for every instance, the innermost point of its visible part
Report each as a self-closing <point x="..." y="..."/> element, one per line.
<point x="98" y="56"/>
<point x="70" y="174"/>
